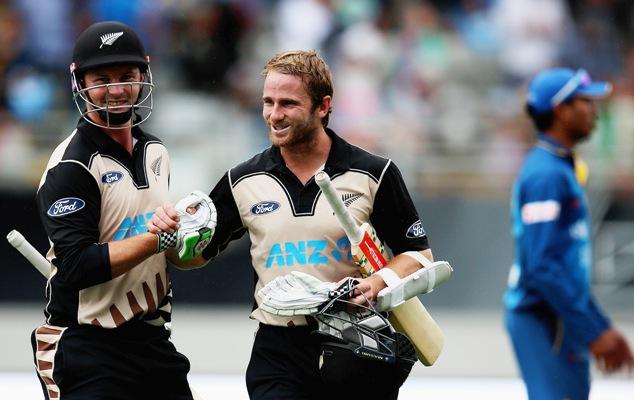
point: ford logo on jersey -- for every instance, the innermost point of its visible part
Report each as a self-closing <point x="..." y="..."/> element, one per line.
<point x="65" y="206"/>
<point x="265" y="207"/>
<point x="111" y="177"/>
<point x="416" y="230"/>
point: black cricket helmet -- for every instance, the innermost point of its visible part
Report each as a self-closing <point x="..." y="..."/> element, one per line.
<point x="358" y="342"/>
<point x="105" y="44"/>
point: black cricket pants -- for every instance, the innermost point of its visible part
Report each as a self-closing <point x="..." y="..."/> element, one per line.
<point x="284" y="365"/>
<point x="134" y="361"/>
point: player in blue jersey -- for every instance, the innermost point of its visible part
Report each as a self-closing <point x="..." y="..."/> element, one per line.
<point x="553" y="321"/>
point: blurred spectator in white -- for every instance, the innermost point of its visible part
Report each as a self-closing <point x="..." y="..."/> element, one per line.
<point x="530" y="33"/>
<point x="302" y="24"/>
<point x="362" y="52"/>
<point x="427" y="90"/>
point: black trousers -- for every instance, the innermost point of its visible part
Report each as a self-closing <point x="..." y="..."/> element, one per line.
<point x="135" y="361"/>
<point x="285" y="365"/>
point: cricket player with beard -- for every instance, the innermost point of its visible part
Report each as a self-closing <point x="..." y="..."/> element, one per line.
<point x="274" y="197"/>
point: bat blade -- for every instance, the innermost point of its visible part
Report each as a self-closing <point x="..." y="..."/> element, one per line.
<point x="411" y="317"/>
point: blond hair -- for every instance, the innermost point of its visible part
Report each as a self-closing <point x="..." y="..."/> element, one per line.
<point x="311" y="68"/>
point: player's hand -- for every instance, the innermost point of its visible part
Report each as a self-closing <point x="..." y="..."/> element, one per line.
<point x="187" y="226"/>
<point x="367" y="289"/>
<point x="165" y="219"/>
<point x="197" y="216"/>
<point x="612" y="352"/>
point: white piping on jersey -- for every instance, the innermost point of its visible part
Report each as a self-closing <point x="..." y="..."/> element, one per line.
<point x="58" y="153"/>
<point x="48" y="292"/>
<point x="129" y="172"/>
<point x="387" y="164"/>
<point x="126" y="168"/>
<point x="75" y="162"/>
<point x="288" y="196"/>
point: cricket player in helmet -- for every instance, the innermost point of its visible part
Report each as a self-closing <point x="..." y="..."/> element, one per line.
<point x="109" y="44"/>
<point x="109" y="298"/>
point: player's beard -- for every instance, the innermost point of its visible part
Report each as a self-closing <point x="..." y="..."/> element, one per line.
<point x="301" y="132"/>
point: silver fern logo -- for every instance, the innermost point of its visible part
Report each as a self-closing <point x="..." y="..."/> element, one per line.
<point x="109" y="38"/>
<point x="156" y="167"/>
<point x="349" y="198"/>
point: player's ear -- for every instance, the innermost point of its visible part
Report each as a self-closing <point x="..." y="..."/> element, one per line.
<point x="324" y="107"/>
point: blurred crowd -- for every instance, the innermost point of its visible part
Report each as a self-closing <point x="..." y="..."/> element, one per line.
<point x="436" y="85"/>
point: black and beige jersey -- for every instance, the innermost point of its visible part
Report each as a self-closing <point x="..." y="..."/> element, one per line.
<point x="293" y="228"/>
<point x="94" y="192"/>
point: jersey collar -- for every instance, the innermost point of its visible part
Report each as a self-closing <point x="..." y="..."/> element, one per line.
<point x="338" y="157"/>
<point x="552" y="146"/>
<point x="104" y="142"/>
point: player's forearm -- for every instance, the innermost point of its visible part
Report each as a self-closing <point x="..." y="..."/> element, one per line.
<point x="128" y="253"/>
<point x="404" y="265"/>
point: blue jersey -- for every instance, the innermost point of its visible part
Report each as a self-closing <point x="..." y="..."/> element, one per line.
<point x="551" y="227"/>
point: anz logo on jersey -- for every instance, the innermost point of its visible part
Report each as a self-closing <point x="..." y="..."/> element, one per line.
<point x="132" y="226"/>
<point x="307" y="253"/>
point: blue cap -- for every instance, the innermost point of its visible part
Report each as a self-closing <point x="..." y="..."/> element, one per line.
<point x="553" y="86"/>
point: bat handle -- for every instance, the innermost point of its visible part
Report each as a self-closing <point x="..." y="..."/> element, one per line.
<point x="350" y="227"/>
<point x="29" y="252"/>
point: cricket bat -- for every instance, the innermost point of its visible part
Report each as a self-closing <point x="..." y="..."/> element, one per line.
<point x="411" y="317"/>
<point x="29" y="252"/>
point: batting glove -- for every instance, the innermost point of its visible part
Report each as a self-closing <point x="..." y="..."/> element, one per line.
<point x="196" y="229"/>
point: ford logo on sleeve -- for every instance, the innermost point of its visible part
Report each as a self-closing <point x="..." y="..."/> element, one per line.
<point x="65" y="206"/>
<point x="416" y="230"/>
<point x="111" y="177"/>
<point x="264" y="207"/>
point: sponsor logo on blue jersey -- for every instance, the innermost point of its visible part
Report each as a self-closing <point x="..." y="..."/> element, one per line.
<point x="65" y="206"/>
<point x="111" y="177"/>
<point x="307" y="252"/>
<point x="132" y="226"/>
<point x="416" y="230"/>
<point x="264" y="207"/>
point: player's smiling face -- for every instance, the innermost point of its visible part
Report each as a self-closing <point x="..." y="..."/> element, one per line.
<point x="288" y="110"/>
<point x="121" y="94"/>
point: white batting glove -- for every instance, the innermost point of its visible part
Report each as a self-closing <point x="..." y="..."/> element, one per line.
<point x="196" y="229"/>
<point x="295" y="293"/>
